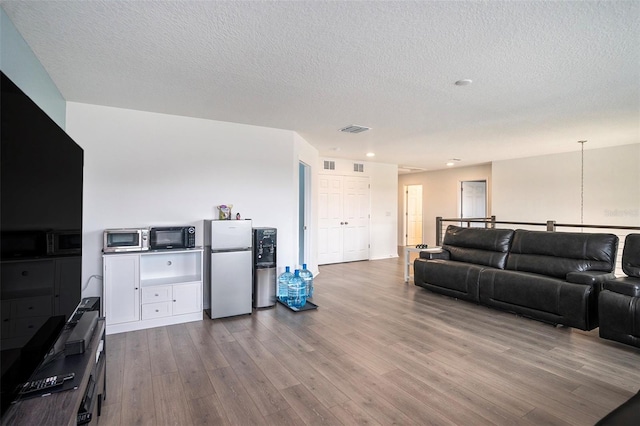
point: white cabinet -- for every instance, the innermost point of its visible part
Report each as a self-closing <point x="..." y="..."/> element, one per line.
<point x="167" y="300"/>
<point x="185" y="297"/>
<point x="121" y="288"/>
<point x="152" y="289"/>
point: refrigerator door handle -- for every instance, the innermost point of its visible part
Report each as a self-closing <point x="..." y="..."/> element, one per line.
<point x="229" y="250"/>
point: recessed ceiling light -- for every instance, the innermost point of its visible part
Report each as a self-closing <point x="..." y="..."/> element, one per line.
<point x="464" y="82"/>
<point x="371" y="154"/>
<point x="453" y="161"/>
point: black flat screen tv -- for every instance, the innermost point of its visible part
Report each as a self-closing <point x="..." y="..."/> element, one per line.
<point x="40" y="234"/>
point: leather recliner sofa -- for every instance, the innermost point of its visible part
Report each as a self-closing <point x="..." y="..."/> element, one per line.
<point x="619" y="300"/>
<point x="553" y="277"/>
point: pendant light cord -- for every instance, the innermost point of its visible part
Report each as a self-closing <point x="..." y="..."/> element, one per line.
<point x="582" y="182"/>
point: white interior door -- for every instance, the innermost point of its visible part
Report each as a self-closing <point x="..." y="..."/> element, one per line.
<point x="356" y="218"/>
<point x="473" y="200"/>
<point x="343" y="215"/>
<point x="330" y="231"/>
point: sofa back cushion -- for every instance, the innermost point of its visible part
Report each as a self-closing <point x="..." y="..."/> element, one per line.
<point x="557" y="253"/>
<point x="631" y="255"/>
<point x="480" y="246"/>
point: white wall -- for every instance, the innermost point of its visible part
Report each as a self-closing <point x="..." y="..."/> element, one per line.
<point x="383" y="179"/>
<point x="441" y="195"/>
<point x="145" y="169"/>
<point x="384" y="215"/>
<point x="19" y="63"/>
<point x="537" y="189"/>
<point x="548" y="187"/>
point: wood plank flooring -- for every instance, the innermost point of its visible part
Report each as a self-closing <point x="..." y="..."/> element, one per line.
<point x="377" y="351"/>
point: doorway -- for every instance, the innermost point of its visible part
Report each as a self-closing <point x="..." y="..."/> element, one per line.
<point x="304" y="185"/>
<point x="413" y="215"/>
<point x="343" y="218"/>
<point x="473" y="200"/>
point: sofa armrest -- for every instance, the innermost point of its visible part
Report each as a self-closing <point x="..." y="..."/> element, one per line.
<point x="429" y="255"/>
<point x="629" y="286"/>
<point x="589" y="277"/>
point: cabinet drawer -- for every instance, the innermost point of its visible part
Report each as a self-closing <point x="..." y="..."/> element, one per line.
<point x="156" y="310"/>
<point x="32" y="307"/>
<point x="156" y="294"/>
<point x="25" y="276"/>
<point x="27" y="326"/>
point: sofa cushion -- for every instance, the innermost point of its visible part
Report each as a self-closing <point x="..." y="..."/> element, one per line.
<point x="631" y="255"/>
<point x="619" y="317"/>
<point x="629" y="286"/>
<point x="480" y="246"/>
<point x="538" y="296"/>
<point x="454" y="279"/>
<point x="556" y="254"/>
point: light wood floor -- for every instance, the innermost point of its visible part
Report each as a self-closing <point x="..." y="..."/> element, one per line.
<point x="377" y="351"/>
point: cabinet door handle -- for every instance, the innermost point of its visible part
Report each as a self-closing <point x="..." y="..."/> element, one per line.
<point x="174" y="300"/>
<point x="157" y="310"/>
<point x="24" y="273"/>
<point x="346" y="223"/>
<point x="157" y="294"/>
<point x="135" y="288"/>
<point x="341" y="223"/>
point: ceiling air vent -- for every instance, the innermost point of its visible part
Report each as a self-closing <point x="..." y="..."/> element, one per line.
<point x="409" y="169"/>
<point x="329" y="165"/>
<point x="354" y="128"/>
<point x="358" y="167"/>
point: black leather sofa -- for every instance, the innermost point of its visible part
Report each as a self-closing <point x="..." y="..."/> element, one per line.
<point x="628" y="414"/>
<point x="553" y="277"/>
<point x="619" y="301"/>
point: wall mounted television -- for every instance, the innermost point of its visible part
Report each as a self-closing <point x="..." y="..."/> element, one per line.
<point x="40" y="234"/>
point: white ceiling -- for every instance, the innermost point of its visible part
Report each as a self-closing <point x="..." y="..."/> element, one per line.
<point x="545" y="73"/>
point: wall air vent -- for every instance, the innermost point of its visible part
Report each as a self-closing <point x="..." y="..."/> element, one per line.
<point x="354" y="128"/>
<point x="358" y="167"/>
<point x="329" y="165"/>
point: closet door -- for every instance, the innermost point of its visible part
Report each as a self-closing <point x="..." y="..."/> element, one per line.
<point x="330" y="222"/>
<point x="356" y="210"/>
<point x="343" y="234"/>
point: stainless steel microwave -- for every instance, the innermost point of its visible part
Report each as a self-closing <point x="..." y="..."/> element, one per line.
<point x="125" y="239"/>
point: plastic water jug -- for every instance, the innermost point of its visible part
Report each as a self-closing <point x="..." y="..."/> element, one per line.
<point x="297" y="291"/>
<point x="307" y="276"/>
<point x="283" y="285"/>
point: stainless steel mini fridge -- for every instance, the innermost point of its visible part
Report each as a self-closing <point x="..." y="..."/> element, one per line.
<point x="229" y="271"/>
<point x="264" y="267"/>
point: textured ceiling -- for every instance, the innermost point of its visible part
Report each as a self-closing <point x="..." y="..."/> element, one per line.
<point x="545" y="73"/>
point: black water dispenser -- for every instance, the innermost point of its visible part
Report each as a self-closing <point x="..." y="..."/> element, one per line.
<point x="264" y="267"/>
